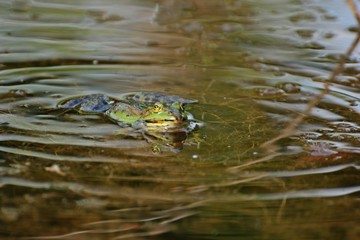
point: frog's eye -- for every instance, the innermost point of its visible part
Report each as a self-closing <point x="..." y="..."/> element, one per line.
<point x="158" y="107"/>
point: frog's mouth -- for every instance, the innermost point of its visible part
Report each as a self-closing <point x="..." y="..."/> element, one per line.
<point x="162" y="121"/>
<point x="166" y="123"/>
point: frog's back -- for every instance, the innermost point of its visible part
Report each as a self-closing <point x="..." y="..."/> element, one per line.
<point x="153" y="97"/>
<point x="93" y="103"/>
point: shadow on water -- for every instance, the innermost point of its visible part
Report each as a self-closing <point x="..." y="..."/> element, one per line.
<point x="253" y="68"/>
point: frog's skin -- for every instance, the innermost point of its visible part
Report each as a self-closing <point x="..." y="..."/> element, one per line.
<point x="124" y="114"/>
<point x="88" y="104"/>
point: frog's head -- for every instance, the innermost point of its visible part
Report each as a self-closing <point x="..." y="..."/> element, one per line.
<point x="159" y="113"/>
<point x="162" y="122"/>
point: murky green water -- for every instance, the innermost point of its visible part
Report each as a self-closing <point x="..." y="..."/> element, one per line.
<point x="253" y="66"/>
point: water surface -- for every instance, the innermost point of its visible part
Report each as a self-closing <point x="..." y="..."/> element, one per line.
<point x="253" y="66"/>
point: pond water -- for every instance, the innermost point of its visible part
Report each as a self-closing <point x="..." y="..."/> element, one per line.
<point x="253" y="66"/>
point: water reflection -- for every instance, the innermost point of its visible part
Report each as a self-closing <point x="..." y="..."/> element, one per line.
<point x="253" y="68"/>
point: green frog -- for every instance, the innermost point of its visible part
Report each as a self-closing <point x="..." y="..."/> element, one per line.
<point x="158" y="117"/>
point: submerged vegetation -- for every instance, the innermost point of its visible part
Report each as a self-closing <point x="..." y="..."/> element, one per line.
<point x="277" y="153"/>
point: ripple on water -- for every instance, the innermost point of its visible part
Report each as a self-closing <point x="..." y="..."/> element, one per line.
<point x="253" y="68"/>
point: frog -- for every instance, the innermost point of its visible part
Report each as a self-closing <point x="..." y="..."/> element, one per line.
<point x="160" y="119"/>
